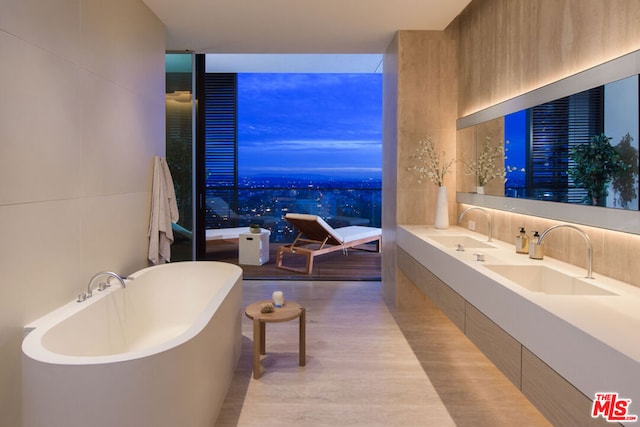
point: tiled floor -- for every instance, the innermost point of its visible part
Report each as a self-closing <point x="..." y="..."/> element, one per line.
<point x="367" y="366"/>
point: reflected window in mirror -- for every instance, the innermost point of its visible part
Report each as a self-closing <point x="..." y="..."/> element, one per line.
<point x="516" y="154"/>
<point x="543" y="143"/>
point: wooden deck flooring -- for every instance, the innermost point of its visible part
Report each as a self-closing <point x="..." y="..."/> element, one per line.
<point x="357" y="265"/>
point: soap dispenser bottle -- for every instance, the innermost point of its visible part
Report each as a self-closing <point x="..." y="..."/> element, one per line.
<point x="535" y="250"/>
<point x="522" y="242"/>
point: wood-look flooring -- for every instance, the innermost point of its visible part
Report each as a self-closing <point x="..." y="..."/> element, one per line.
<point x="367" y="365"/>
<point x="356" y="265"/>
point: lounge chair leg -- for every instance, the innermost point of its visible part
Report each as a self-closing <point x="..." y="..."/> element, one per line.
<point x="280" y="259"/>
<point x="309" y="263"/>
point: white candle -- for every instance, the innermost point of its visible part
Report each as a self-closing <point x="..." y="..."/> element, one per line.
<point x="278" y="299"/>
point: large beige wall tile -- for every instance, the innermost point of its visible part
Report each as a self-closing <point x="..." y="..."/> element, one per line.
<point x="507" y="48"/>
<point x="40" y="141"/>
<point x="40" y="253"/>
<point x="426" y="109"/>
<point x="620" y="254"/>
<point x="108" y="51"/>
<point x="76" y="144"/>
<point x="116" y="153"/>
<point x="112" y="238"/>
<point x="50" y="25"/>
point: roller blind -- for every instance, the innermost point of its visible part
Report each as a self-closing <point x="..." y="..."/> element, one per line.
<point x="555" y="127"/>
<point x="220" y="130"/>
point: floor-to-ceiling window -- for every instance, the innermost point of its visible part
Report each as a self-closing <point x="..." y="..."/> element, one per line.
<point x="305" y="142"/>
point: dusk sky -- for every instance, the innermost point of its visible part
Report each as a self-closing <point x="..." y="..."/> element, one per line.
<point x="304" y="124"/>
<point x="515" y="132"/>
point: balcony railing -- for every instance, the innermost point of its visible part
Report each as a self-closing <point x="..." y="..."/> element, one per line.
<point x="267" y="206"/>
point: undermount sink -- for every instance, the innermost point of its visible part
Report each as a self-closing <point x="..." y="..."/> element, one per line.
<point x="465" y="241"/>
<point x="545" y="280"/>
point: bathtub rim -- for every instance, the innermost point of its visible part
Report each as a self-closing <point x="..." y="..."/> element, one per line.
<point x="33" y="348"/>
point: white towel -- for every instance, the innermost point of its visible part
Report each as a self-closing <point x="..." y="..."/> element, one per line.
<point x="164" y="212"/>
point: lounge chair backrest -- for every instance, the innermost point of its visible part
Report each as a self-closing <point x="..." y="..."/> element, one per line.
<point x="313" y="227"/>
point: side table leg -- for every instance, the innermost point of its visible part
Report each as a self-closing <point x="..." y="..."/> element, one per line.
<point x="263" y="338"/>
<point x="303" y="337"/>
<point x="257" y="339"/>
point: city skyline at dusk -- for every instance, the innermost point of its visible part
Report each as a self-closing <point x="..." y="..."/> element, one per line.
<point x="322" y="125"/>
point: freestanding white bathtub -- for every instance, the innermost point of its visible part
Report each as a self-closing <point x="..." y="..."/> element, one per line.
<point x="161" y="352"/>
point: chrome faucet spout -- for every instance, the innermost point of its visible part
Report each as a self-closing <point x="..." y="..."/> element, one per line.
<point x="584" y="235"/>
<point x="486" y="214"/>
<point x="110" y="274"/>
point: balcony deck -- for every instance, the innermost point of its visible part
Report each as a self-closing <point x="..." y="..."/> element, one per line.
<point x="357" y="265"/>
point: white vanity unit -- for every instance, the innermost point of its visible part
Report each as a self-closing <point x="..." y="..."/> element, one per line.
<point x="559" y="337"/>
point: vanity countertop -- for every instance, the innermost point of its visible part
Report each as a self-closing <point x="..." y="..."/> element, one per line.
<point x="591" y="340"/>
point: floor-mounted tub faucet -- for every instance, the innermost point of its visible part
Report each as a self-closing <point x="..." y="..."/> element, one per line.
<point x="586" y="239"/>
<point x="464" y="212"/>
<point x="102" y="286"/>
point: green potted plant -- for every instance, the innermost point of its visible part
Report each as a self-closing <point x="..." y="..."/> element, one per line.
<point x="595" y="165"/>
<point x="254" y="228"/>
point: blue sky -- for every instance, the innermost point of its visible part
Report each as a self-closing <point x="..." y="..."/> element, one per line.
<point x="307" y="124"/>
<point x="515" y="132"/>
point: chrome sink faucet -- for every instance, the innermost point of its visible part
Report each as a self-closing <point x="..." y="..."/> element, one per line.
<point x="464" y="212"/>
<point x="102" y="286"/>
<point x="586" y="239"/>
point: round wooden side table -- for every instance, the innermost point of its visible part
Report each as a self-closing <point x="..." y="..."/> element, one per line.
<point x="289" y="311"/>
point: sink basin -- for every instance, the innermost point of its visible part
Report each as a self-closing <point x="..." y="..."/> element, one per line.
<point x="545" y="280"/>
<point x="466" y="241"/>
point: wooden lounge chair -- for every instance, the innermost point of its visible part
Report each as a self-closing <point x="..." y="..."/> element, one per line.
<point x="316" y="237"/>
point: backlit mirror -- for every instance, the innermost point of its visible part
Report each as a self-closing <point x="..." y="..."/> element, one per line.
<point x="572" y="142"/>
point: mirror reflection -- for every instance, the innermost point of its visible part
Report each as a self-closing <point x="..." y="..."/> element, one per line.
<point x="482" y="154"/>
<point x="581" y="148"/>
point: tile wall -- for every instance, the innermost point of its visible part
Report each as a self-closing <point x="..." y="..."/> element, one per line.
<point x="82" y="111"/>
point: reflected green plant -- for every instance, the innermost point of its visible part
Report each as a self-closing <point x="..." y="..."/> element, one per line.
<point x="595" y="165"/>
<point x="624" y="183"/>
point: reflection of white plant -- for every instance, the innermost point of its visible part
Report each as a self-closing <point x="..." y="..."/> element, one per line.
<point x="508" y="168"/>
<point x="489" y="165"/>
<point x="430" y="165"/>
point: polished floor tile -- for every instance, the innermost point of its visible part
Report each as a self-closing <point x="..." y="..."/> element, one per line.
<point x="366" y="365"/>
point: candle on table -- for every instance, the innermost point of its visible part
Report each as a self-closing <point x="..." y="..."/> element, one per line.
<point x="278" y="299"/>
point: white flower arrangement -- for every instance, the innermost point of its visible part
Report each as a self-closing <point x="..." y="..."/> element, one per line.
<point x="430" y="164"/>
<point x="489" y="165"/>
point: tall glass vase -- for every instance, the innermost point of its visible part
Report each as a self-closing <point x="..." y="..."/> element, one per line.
<point x="442" y="209"/>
